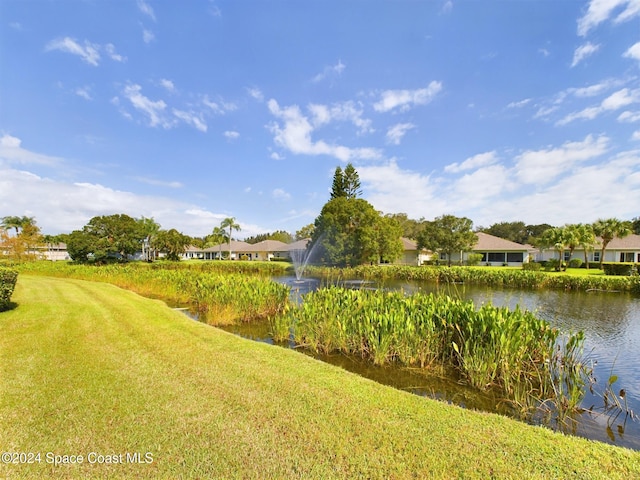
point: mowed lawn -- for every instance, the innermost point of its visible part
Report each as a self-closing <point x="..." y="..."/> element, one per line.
<point x="89" y="369"/>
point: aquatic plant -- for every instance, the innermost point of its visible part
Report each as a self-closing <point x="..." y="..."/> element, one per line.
<point x="491" y="348"/>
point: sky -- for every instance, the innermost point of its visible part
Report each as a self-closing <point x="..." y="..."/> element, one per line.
<point x="191" y="112"/>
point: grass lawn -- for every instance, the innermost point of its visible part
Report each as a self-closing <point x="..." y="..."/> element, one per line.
<point x="87" y="367"/>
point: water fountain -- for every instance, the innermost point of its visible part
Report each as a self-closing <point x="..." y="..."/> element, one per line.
<point x="300" y="258"/>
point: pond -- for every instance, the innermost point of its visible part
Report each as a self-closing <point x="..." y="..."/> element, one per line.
<point x="610" y="321"/>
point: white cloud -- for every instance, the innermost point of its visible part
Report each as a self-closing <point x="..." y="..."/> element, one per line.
<point x="636" y="135"/>
<point x="519" y="104"/>
<point x="295" y="135"/>
<point x="471" y="163"/>
<point x="405" y="99"/>
<point x="159" y="183"/>
<point x="600" y="11"/>
<point x="346" y="111"/>
<point x="280" y="194"/>
<point x="584" y="51"/>
<point x="633" y="52"/>
<point x="543" y="166"/>
<point x="148" y="36"/>
<point x="220" y="107"/>
<point x="629" y="117"/>
<point x="190" y="118"/>
<point x="255" y="93"/>
<point x="276" y="156"/>
<point x="145" y="8"/>
<point x="88" y="52"/>
<point x="447" y="7"/>
<point x="615" y="101"/>
<point x="111" y="51"/>
<point x="331" y="72"/>
<point x="11" y="152"/>
<point x="231" y="135"/>
<point x="154" y="110"/>
<point x="392" y="189"/>
<point x="167" y="85"/>
<point x="84" y="92"/>
<point x="544" y="52"/>
<point x="397" y="132"/>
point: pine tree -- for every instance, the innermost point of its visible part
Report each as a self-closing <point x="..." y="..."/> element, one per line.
<point x="351" y="182"/>
<point x="338" y="186"/>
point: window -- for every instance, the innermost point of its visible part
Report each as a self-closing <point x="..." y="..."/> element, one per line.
<point x="496" y="257"/>
<point x="567" y="256"/>
<point x="514" y="257"/>
<point x="626" y="256"/>
<point x="596" y="256"/>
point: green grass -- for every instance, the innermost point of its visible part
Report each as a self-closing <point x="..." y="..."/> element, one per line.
<point x="88" y="367"/>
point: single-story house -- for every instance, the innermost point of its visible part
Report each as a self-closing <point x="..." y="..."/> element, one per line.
<point x="411" y="255"/>
<point x="265" y="250"/>
<point x="625" y="249"/>
<point x="495" y="251"/>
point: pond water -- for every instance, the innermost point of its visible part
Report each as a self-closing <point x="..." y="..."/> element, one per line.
<point x="610" y="321"/>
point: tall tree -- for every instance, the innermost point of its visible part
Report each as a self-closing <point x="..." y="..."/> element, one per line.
<point x="305" y="232"/>
<point x="351" y="182"/>
<point x="218" y="236"/>
<point x="171" y="242"/>
<point x="337" y="186"/>
<point x="230" y="223"/>
<point x="607" y="230"/>
<point x="514" y="231"/>
<point x="447" y="235"/>
<point x="349" y="232"/>
<point x="106" y="237"/>
<point x="586" y="240"/>
<point x="17" y="223"/>
<point x="557" y="238"/>
<point x="635" y="225"/>
<point x="410" y="227"/>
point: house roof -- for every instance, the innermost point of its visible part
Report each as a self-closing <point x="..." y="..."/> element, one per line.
<point x="299" y="245"/>
<point x="630" y="242"/>
<point x="488" y="242"/>
<point x="236" y="246"/>
<point x="267" y="246"/>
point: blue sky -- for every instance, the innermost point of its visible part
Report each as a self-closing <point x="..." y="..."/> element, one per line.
<point x="190" y="112"/>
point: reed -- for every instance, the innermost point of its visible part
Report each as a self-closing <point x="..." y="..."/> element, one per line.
<point x="491" y="348"/>
<point x="220" y="298"/>
<point x="496" y="277"/>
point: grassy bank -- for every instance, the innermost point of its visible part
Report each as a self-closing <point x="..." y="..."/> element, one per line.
<point x="87" y="367"/>
<point x="221" y="295"/>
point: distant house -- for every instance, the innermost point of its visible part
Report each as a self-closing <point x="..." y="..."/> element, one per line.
<point x="625" y="249"/>
<point x="265" y="250"/>
<point x="495" y="251"/>
<point x="54" y="252"/>
<point x="411" y="255"/>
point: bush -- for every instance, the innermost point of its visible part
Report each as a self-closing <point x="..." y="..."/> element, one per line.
<point x="532" y="266"/>
<point x="575" y="263"/>
<point x="474" y="259"/>
<point x="621" y="269"/>
<point x="8" y="280"/>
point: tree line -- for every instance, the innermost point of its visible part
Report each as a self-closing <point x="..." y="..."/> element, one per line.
<point x="347" y="232"/>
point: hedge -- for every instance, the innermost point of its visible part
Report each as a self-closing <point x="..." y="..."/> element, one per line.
<point x="622" y="269"/>
<point x="8" y="280"/>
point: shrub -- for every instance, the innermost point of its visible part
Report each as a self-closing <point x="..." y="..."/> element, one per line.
<point x="532" y="266"/>
<point x="575" y="263"/>
<point x="622" y="269"/>
<point x="474" y="259"/>
<point x="8" y="280"/>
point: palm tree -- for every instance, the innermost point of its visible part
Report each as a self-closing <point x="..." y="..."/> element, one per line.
<point x="586" y="239"/>
<point x="607" y="230"/>
<point x="17" y="222"/>
<point x="217" y="237"/>
<point x="230" y="223"/>
<point x="558" y="238"/>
